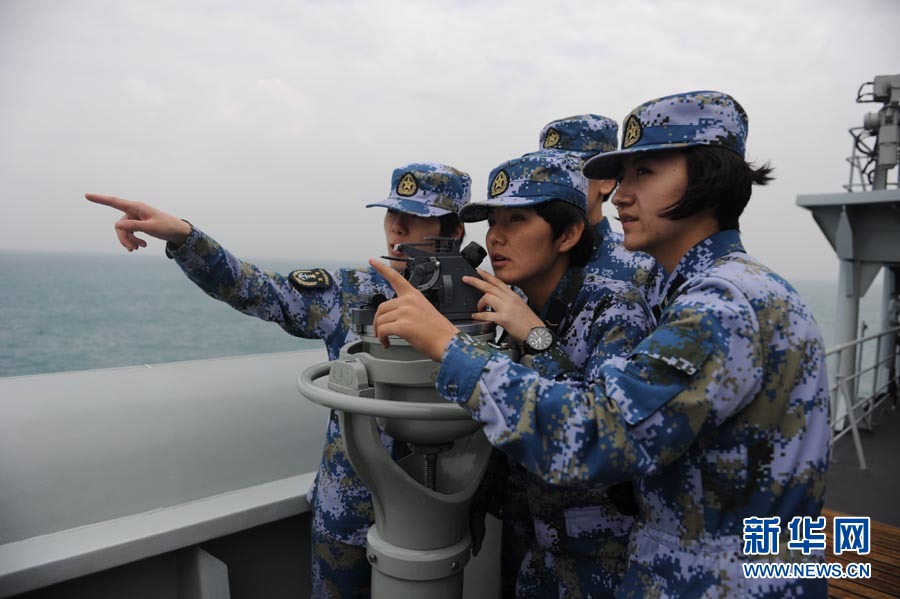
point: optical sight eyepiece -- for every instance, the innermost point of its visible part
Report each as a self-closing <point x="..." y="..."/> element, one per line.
<point x="474" y="254"/>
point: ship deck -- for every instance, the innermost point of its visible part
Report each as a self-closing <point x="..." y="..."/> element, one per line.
<point x="231" y="506"/>
<point x="873" y="492"/>
<point x="884" y="558"/>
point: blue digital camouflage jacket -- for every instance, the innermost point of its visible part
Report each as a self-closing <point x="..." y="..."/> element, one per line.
<point x="611" y="260"/>
<point x="342" y="505"/>
<point x="720" y="414"/>
<point x="580" y="538"/>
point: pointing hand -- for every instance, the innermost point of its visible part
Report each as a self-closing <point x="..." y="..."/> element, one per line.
<point x="411" y="316"/>
<point x="142" y="218"/>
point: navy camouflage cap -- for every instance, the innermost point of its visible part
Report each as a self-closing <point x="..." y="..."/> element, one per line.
<point x="427" y="189"/>
<point x="532" y="179"/>
<point x="700" y="118"/>
<point x="584" y="135"/>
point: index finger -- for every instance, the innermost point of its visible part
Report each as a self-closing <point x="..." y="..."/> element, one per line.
<point x="111" y="201"/>
<point x="498" y="283"/>
<point x="396" y="280"/>
<point x="490" y="278"/>
<point x="479" y="284"/>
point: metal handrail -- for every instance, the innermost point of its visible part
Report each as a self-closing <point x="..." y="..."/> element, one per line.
<point x="845" y="391"/>
<point x="861" y="340"/>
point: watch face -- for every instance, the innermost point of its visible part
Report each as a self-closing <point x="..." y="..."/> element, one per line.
<point x="539" y="338"/>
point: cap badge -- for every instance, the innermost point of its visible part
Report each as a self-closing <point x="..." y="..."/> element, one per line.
<point x="407" y="185"/>
<point x="633" y="132"/>
<point x="499" y="184"/>
<point x="552" y="138"/>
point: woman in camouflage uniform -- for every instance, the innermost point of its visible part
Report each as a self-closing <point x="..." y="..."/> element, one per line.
<point x="539" y="240"/>
<point x="424" y="201"/>
<point x="586" y="136"/>
<point x="720" y="415"/>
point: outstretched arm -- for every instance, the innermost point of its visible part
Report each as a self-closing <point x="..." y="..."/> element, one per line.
<point x="314" y="312"/>
<point x="139" y="217"/>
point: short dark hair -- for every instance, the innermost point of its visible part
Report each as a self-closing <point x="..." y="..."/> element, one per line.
<point x="562" y="215"/>
<point x="449" y="222"/>
<point x="718" y="180"/>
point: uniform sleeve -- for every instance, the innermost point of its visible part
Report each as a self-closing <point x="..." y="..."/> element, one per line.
<point x="552" y="364"/>
<point x="642" y="412"/>
<point x="612" y="325"/>
<point x="247" y="288"/>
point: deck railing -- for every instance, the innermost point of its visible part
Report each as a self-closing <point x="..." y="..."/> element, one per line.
<point x="873" y="381"/>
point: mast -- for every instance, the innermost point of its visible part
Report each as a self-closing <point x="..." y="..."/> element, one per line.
<point x="863" y="227"/>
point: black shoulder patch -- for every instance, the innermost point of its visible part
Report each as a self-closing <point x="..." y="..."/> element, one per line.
<point x="317" y="278"/>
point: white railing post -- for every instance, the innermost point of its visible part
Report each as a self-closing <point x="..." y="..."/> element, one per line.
<point x="844" y="393"/>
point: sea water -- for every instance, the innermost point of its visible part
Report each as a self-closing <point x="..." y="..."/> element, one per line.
<point x="68" y="311"/>
<point x="62" y="312"/>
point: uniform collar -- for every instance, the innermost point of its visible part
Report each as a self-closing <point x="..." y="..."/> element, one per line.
<point x="602" y="231"/>
<point x="556" y="309"/>
<point x="699" y="258"/>
<point x="603" y="227"/>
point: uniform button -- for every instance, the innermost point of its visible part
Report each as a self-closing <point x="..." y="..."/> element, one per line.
<point x="452" y="388"/>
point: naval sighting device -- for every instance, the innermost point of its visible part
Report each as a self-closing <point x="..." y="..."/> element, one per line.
<point x="420" y="542"/>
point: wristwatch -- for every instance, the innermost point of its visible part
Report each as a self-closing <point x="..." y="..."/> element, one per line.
<point x="539" y="339"/>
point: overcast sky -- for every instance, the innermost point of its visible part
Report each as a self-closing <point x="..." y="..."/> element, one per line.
<point x="269" y="124"/>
